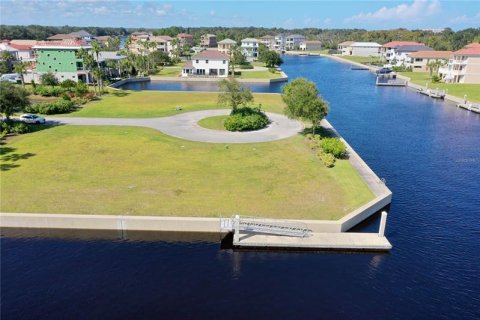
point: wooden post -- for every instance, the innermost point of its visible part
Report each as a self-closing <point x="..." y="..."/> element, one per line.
<point x="236" y="223"/>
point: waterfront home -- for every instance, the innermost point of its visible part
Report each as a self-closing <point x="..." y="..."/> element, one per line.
<point x="280" y="40"/>
<point x="249" y="48"/>
<point x="185" y="39"/>
<point x="226" y="45"/>
<point x="83" y="35"/>
<point x="103" y="40"/>
<point x="61" y="37"/>
<point x="293" y="41"/>
<point x="310" y="45"/>
<point x="208" y="41"/>
<point x="59" y="58"/>
<point x="104" y="59"/>
<point x="208" y="63"/>
<point x="389" y="49"/>
<point x="344" y="47"/>
<point x="401" y="54"/>
<point x="164" y="43"/>
<point x="464" y="67"/>
<point x="268" y="41"/>
<point x="140" y="35"/>
<point x="419" y="60"/>
<point x="362" y="49"/>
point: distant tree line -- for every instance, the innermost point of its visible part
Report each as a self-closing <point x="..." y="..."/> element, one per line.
<point x="446" y="40"/>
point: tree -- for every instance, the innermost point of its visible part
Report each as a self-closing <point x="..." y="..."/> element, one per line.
<point x="304" y="102"/>
<point x="12" y="99"/>
<point x="434" y="65"/>
<point x="21" y="68"/>
<point x="233" y="94"/>
<point x="272" y="59"/>
<point x="49" y="79"/>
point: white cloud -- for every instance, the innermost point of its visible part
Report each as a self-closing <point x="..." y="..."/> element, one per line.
<point x="465" y="19"/>
<point x="212" y="13"/>
<point x="101" y="10"/>
<point x="310" y="22"/>
<point x="403" y="12"/>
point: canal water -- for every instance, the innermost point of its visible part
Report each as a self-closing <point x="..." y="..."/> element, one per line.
<point x="428" y="152"/>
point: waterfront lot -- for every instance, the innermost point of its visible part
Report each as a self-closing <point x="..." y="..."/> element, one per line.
<point x="148" y="104"/>
<point x="455" y="89"/>
<point x="139" y="171"/>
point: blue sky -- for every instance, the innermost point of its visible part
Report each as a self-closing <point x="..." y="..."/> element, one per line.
<point x="414" y="14"/>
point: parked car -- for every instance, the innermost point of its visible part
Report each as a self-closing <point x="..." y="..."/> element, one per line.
<point x="31" y="118"/>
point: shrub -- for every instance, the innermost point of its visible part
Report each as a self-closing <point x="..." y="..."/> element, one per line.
<point x="68" y="84"/>
<point x="246" y="119"/>
<point x="57" y="107"/>
<point x="49" y="79"/>
<point x="13" y="126"/>
<point x="333" y="146"/>
<point x="273" y="70"/>
<point x="245" y="66"/>
<point x="81" y="88"/>
<point x="327" y="158"/>
<point x="435" y="78"/>
<point x="48" y="91"/>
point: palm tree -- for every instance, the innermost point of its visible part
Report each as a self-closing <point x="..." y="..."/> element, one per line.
<point x="434" y="65"/>
<point x="21" y="68"/>
<point x="88" y="62"/>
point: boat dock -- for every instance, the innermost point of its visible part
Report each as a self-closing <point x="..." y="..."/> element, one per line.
<point x="390" y="80"/>
<point x="474" y="107"/>
<point x="436" y="94"/>
<point x="250" y="232"/>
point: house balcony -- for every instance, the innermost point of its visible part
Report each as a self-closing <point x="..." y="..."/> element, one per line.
<point x="460" y="62"/>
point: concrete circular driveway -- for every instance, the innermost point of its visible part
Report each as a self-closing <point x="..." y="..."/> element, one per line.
<point x="185" y="126"/>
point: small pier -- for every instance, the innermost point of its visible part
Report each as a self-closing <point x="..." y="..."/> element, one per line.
<point x="436" y="94"/>
<point x="474" y="107"/>
<point x="276" y="234"/>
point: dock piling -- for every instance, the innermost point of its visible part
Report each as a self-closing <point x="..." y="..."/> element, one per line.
<point x="383" y="223"/>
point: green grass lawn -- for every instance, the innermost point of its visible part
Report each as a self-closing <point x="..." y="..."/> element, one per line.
<point x="455" y="89"/>
<point x="139" y="171"/>
<point x="360" y="59"/>
<point x="259" y="75"/>
<point x="147" y="104"/>
<point x="169" y="72"/>
<point x="215" y="123"/>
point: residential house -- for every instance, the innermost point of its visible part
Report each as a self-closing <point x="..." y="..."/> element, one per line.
<point x="362" y="49"/>
<point x="211" y="63"/>
<point x="225" y="46"/>
<point x="344" y="48"/>
<point x="103" y="40"/>
<point x="164" y="43"/>
<point x="19" y="52"/>
<point x="249" y="48"/>
<point x="208" y="41"/>
<point x="268" y="41"/>
<point x="310" y="45"/>
<point x="59" y="58"/>
<point x="61" y="36"/>
<point x="419" y="60"/>
<point x="185" y="39"/>
<point x="401" y="54"/>
<point x="104" y="59"/>
<point x="388" y="50"/>
<point x="464" y="67"/>
<point x="83" y="35"/>
<point x="293" y="41"/>
<point x="140" y="35"/>
<point x="280" y="40"/>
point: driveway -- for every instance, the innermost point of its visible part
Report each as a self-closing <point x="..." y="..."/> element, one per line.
<point x="185" y="126"/>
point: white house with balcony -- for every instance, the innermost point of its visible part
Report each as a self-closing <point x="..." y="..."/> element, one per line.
<point x="293" y="41"/>
<point x="249" y="47"/>
<point x="208" y="63"/>
<point x="280" y="40"/>
<point x="464" y="67"/>
<point x="362" y="49"/>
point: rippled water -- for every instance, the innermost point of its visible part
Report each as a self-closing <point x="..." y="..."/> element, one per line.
<point x="428" y="152"/>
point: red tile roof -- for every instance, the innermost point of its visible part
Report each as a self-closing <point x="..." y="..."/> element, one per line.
<point x="432" y="54"/>
<point x="394" y="44"/>
<point x="20" y="46"/>
<point x="470" y="50"/>
<point x="184" y="35"/>
<point x="212" y="55"/>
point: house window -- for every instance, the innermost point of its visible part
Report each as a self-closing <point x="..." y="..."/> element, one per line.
<point x="196" y="61"/>
<point x="206" y="61"/>
<point x="224" y="61"/>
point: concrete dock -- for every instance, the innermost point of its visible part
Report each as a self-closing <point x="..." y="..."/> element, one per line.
<point x="348" y="241"/>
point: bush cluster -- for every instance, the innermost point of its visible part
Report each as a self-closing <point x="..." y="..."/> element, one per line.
<point x="47" y="91"/>
<point x="13" y="126"/>
<point x="246" y="66"/>
<point x="246" y="119"/>
<point x="328" y="148"/>
<point x="57" y="107"/>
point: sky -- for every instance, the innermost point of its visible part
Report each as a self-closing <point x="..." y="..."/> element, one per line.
<point x="370" y="15"/>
